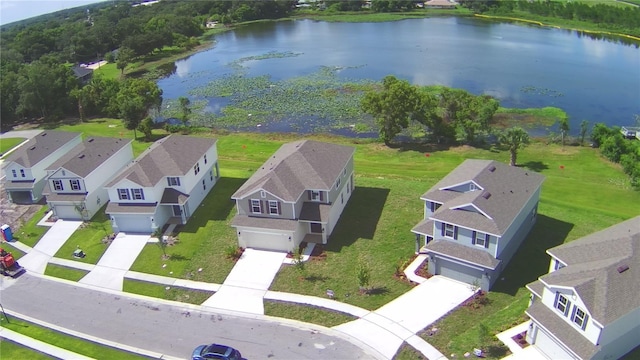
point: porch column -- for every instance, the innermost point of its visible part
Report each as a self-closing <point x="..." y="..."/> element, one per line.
<point x="417" y="243"/>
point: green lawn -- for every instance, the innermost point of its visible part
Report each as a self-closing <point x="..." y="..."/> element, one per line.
<point x="9" y="143"/>
<point x="166" y="292"/>
<point x="80" y="346"/>
<point x="108" y="71"/>
<point x="88" y="238"/>
<point x="13" y="351"/>
<point x="64" y="272"/>
<point x="29" y="233"/>
<point x="312" y="314"/>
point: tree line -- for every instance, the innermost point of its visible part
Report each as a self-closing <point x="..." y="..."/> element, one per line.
<point x="613" y="145"/>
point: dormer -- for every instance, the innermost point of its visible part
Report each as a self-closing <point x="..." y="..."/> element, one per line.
<point x="464" y="187"/>
<point x="472" y="208"/>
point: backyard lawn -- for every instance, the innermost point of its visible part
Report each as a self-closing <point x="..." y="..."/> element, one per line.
<point x="9" y="143"/>
<point x="582" y="193"/>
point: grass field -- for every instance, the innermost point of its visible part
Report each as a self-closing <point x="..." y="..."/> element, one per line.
<point x="29" y="233"/>
<point x="88" y="238"/>
<point x="9" y="143"/>
<point x="582" y="193"/>
<point x="166" y="292"/>
<point x="64" y="272"/>
<point x="13" y="351"/>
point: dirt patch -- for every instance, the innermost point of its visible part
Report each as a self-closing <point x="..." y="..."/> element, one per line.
<point x="520" y="339"/>
<point x="565" y="150"/>
<point x="15" y="215"/>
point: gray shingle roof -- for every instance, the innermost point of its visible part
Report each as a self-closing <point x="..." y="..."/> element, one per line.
<point x="592" y="269"/>
<point x="264" y="223"/>
<point x="173" y="196"/>
<point x="66" y="197"/>
<point x="296" y="167"/>
<point x="18" y="185"/>
<point x="425" y="227"/>
<point x="562" y="330"/>
<point x="40" y="146"/>
<point x="462" y="252"/>
<point x="117" y="208"/>
<point x="316" y="212"/>
<point x="174" y="155"/>
<point x="89" y="155"/>
<point x="536" y="287"/>
<point x="510" y="188"/>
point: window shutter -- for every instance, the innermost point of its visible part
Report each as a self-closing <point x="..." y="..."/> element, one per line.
<point x="321" y="195"/>
<point x="442" y="226"/>
<point x="279" y="208"/>
<point x="168" y="182"/>
<point x="309" y="194"/>
<point x="262" y="208"/>
<point x="584" y="324"/>
<point x="473" y="238"/>
<point x="486" y="240"/>
<point x="250" y="206"/>
<point x="455" y="233"/>
<point x="555" y="302"/>
<point x="566" y="310"/>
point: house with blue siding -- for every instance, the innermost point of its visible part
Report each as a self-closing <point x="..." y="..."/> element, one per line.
<point x="588" y="305"/>
<point x="475" y="219"/>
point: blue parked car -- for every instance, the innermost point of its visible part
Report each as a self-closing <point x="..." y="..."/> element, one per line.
<point x="215" y="351"/>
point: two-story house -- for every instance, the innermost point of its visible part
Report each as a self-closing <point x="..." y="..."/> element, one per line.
<point x="75" y="182"/>
<point x="165" y="184"/>
<point x="475" y="219"/>
<point x="297" y="195"/>
<point x="25" y="168"/>
<point x="588" y="305"/>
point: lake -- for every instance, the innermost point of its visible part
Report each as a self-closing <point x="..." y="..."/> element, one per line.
<point x="522" y="66"/>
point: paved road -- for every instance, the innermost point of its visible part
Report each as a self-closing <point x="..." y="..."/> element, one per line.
<point x="166" y="328"/>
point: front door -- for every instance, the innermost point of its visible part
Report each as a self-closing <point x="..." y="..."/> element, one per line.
<point x="177" y="211"/>
<point x="316" y="228"/>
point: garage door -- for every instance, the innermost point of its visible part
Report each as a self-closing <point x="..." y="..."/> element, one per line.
<point x="66" y="212"/>
<point x="549" y="347"/>
<point x="134" y="224"/>
<point x="265" y="240"/>
<point x="458" y="272"/>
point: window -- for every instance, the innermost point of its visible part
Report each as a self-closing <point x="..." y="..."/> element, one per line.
<point x="450" y="231"/>
<point x="123" y="194"/>
<point x="196" y="168"/>
<point x="472" y="187"/>
<point x="433" y="206"/>
<point x="204" y="185"/>
<point x="57" y="185"/>
<point x="255" y="206"/>
<point x="263" y="194"/>
<point x="315" y="195"/>
<point x="173" y="181"/>
<point x="562" y="303"/>
<point x="22" y="172"/>
<point x="205" y="158"/>
<point x="348" y="186"/>
<point x="558" y="265"/>
<point x="342" y="198"/>
<point x="534" y="212"/>
<point x="137" y="194"/>
<point x="274" y="207"/>
<point x="481" y="239"/>
<point x="211" y="175"/>
<point x="344" y="172"/>
<point x="579" y="317"/>
<point x="14" y="173"/>
<point x="337" y="183"/>
<point x="75" y="184"/>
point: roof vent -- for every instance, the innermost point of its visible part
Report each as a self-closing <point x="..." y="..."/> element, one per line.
<point x="623" y="268"/>
<point x="81" y="156"/>
<point x="32" y="148"/>
<point x="44" y="134"/>
<point x="492" y="168"/>
<point x="90" y="140"/>
<point x="486" y="195"/>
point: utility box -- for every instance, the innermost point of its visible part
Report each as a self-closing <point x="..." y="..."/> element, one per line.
<point x="7" y="235"/>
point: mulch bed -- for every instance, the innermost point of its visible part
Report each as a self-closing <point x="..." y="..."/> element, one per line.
<point x="520" y="339"/>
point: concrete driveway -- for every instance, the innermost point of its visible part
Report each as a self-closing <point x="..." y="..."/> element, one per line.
<point x="248" y="282"/>
<point x="389" y="326"/>
<point x="116" y="261"/>
<point x="36" y="260"/>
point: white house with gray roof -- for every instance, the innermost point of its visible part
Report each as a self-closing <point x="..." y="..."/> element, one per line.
<point x="588" y="305"/>
<point x="297" y="195"/>
<point x="475" y="219"/>
<point x="164" y="185"/>
<point x="75" y="182"/>
<point x="25" y="168"/>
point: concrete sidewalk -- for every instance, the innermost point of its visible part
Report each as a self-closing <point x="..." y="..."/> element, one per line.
<point x="36" y="260"/>
<point x="110" y="270"/>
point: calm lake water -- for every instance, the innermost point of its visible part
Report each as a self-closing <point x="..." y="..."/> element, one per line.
<point x="522" y="66"/>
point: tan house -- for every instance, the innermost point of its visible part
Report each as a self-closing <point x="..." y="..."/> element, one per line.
<point x="297" y="195"/>
<point x="440" y="4"/>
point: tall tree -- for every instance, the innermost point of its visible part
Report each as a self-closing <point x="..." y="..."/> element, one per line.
<point x="564" y="128"/>
<point x="392" y="107"/>
<point x="125" y="55"/>
<point x="514" y="139"/>
<point x="135" y="98"/>
<point x="584" y="128"/>
<point x="185" y="110"/>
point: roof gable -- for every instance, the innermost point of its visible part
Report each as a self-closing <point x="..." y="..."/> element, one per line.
<point x="174" y="155"/>
<point x="89" y="155"/>
<point x="502" y="192"/>
<point x="40" y="146"/>
<point x="296" y="167"/>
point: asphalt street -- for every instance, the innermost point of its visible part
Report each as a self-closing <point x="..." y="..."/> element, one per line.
<point x="169" y="328"/>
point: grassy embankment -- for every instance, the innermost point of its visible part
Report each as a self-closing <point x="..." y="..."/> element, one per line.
<point x="9" y="143"/>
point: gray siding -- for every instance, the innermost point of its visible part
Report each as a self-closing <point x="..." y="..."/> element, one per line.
<point x="286" y="209"/>
<point x="517" y="231"/>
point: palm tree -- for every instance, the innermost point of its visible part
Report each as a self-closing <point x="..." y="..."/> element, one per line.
<point x="564" y="128"/>
<point x="515" y="139"/>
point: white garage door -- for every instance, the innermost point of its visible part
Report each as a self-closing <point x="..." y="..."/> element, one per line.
<point x="549" y="347"/>
<point x="134" y="224"/>
<point x="265" y="240"/>
<point x="458" y="272"/>
<point x="66" y="212"/>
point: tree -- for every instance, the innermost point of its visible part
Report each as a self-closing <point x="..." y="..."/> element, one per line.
<point x="600" y="133"/>
<point x="125" y="55"/>
<point x="584" y="128"/>
<point x="82" y="97"/>
<point x="135" y="98"/>
<point x="392" y="107"/>
<point x="564" y="128"/>
<point x="132" y="110"/>
<point x="146" y="127"/>
<point x="515" y="138"/>
<point x="363" y="273"/>
<point x="185" y="110"/>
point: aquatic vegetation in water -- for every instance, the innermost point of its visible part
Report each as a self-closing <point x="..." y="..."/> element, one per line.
<point x="541" y="91"/>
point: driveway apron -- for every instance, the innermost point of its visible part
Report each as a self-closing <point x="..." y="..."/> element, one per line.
<point x="248" y="282"/>
<point x="36" y="260"/>
<point x="388" y="327"/>
<point x="116" y="261"/>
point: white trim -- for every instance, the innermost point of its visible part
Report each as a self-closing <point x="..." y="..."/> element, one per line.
<point x="550" y="334"/>
<point x="248" y="196"/>
<point x="464" y="227"/>
<point x="478" y="187"/>
<point x="459" y="207"/>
